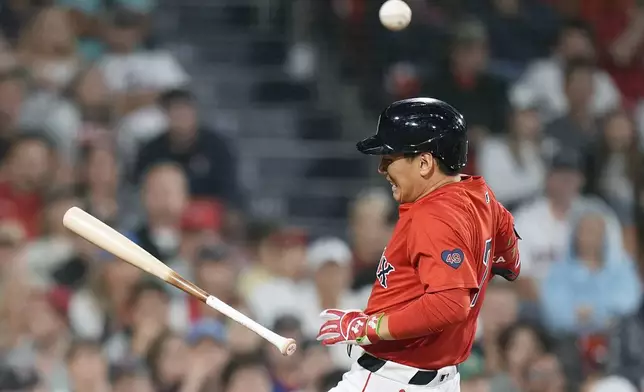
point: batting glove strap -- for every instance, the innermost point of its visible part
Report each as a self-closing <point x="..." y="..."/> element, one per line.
<point x="349" y="327"/>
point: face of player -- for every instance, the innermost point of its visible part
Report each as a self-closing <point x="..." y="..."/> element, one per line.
<point x="406" y="175"/>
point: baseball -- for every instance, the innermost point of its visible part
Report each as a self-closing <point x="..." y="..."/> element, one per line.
<point x="395" y="15"/>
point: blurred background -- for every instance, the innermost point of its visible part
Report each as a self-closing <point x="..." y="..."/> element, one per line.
<point x="219" y="135"/>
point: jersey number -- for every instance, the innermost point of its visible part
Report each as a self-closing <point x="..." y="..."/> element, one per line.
<point x="486" y="263"/>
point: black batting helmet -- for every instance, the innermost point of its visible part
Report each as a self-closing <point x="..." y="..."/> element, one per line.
<point x="417" y="125"/>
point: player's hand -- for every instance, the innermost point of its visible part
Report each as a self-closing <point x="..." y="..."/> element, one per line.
<point x="348" y="327"/>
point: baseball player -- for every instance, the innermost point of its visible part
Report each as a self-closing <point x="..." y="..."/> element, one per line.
<point x="451" y="238"/>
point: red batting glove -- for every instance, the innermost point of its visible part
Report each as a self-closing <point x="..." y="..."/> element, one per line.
<point x="348" y="327"/>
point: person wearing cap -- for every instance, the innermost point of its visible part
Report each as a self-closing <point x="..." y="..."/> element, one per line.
<point x="208" y="353"/>
<point x="545" y="222"/>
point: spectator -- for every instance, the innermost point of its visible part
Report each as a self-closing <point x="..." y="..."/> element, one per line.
<point x="100" y="309"/>
<point x="88" y="370"/>
<point x="520" y="30"/>
<point x="264" y="252"/>
<point x="466" y="85"/>
<point x="55" y="258"/>
<point x="161" y="233"/>
<point x="136" y="77"/>
<point x="47" y="48"/>
<point x="204" y="155"/>
<point x="12" y="242"/>
<point x="370" y="226"/>
<point x="594" y="284"/>
<point x="246" y="373"/>
<point x="500" y="311"/>
<point x="282" y="294"/>
<point x="168" y="361"/>
<point x="626" y="347"/>
<point x="542" y="85"/>
<point x="27" y="179"/>
<point x="241" y="340"/>
<point x="12" y="95"/>
<point x="131" y="378"/>
<point x="74" y="116"/>
<point x="578" y="129"/>
<point x="315" y="364"/>
<point x="520" y="345"/>
<point x="544" y="224"/>
<point x="286" y="371"/>
<point x="615" y="176"/>
<point x="214" y="271"/>
<point x="208" y="354"/>
<point x="149" y="316"/>
<point x="513" y="166"/>
<point x="545" y="375"/>
<point x="102" y="194"/>
<point x="48" y="339"/>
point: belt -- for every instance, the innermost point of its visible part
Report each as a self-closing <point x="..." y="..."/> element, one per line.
<point x="405" y="374"/>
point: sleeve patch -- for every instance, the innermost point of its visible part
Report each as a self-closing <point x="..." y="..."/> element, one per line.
<point x="453" y="258"/>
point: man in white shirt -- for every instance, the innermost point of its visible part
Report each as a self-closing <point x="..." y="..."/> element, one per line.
<point x="545" y="224"/>
<point x="542" y="84"/>
<point x="136" y="77"/>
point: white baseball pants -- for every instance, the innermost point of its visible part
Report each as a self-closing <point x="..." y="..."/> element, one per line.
<point x="389" y="379"/>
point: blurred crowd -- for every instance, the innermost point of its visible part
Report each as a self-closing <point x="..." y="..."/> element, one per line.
<point x="94" y="113"/>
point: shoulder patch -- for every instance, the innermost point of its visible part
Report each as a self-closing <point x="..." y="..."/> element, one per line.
<point x="454" y="258"/>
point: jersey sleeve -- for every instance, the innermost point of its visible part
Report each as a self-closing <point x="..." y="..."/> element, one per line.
<point x="440" y="255"/>
<point x="506" y="261"/>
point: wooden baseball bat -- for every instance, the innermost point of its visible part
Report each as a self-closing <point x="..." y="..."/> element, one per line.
<point x="105" y="237"/>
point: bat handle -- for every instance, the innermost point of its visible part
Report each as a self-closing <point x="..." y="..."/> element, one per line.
<point x="285" y="345"/>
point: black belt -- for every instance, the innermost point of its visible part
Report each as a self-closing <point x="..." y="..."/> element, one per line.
<point x="373" y="364"/>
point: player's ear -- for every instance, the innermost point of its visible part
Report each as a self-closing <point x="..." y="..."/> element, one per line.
<point x="426" y="164"/>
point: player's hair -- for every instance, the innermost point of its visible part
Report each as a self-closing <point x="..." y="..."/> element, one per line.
<point x="575" y="25"/>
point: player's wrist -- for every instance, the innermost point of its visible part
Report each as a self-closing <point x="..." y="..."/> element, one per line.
<point x="371" y="333"/>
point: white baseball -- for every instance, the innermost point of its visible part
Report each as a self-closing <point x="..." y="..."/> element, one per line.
<point x="395" y="15"/>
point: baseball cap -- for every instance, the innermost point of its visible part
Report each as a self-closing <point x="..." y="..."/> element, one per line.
<point x="206" y="329"/>
<point x="567" y="160"/>
<point x="469" y="31"/>
<point x="213" y="253"/>
<point x="202" y="215"/>
<point x="329" y="249"/>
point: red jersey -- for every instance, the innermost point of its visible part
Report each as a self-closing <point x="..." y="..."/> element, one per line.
<point x="446" y="240"/>
<point x="25" y="208"/>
